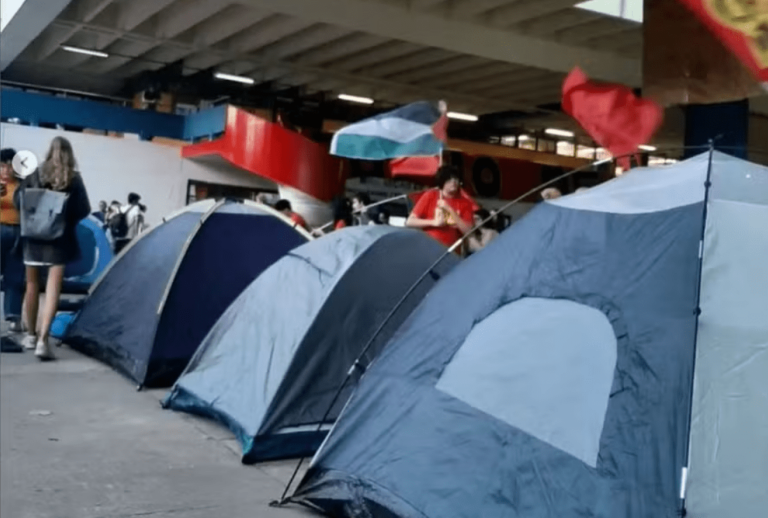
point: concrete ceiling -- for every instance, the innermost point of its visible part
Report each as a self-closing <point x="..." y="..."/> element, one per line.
<point x="481" y="56"/>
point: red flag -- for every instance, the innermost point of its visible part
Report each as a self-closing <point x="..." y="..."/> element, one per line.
<point x="416" y="168"/>
<point x="742" y="26"/>
<point x="611" y="114"/>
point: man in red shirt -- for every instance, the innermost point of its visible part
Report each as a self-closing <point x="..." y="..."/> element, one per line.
<point x="444" y="213"/>
<point x="284" y="206"/>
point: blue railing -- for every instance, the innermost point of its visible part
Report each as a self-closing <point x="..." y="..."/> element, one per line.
<point x="37" y="108"/>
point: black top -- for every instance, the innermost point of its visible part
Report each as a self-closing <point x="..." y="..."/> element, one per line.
<point x="64" y="249"/>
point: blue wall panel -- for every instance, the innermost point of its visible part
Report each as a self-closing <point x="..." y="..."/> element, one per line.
<point x="36" y="108"/>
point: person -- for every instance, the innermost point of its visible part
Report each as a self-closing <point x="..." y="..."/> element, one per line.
<point x="485" y="232"/>
<point x="551" y="193"/>
<point x="58" y="173"/>
<point x="445" y="213"/>
<point x="359" y="203"/>
<point x="127" y="222"/>
<point x="382" y="217"/>
<point x="284" y="206"/>
<point x="101" y="214"/>
<point x="11" y="264"/>
<point x="342" y="213"/>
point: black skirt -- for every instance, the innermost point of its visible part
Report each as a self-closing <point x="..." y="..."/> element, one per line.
<point x="57" y="252"/>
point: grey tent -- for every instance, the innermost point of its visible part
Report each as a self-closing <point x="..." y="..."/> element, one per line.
<point x="553" y="374"/>
<point x="154" y="304"/>
<point x="270" y="367"/>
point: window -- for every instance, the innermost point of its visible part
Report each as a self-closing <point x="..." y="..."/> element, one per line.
<point x="627" y="9"/>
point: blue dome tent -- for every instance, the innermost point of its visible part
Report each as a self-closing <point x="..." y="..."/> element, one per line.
<point x="153" y="306"/>
<point x="271" y="366"/>
<point x="606" y="356"/>
<point x="95" y="255"/>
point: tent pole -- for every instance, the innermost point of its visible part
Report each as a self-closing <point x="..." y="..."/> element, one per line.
<point x="697" y="313"/>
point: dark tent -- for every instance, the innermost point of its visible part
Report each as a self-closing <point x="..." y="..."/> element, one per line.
<point x="156" y="302"/>
<point x="552" y="375"/>
<point x="270" y="367"/>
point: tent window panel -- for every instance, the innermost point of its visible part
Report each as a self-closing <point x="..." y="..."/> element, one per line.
<point x="543" y="366"/>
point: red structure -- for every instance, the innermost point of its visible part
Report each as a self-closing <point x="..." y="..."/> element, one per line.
<point x="273" y="152"/>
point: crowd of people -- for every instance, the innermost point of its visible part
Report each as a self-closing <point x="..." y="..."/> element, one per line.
<point x="35" y="240"/>
<point x="446" y="213"/>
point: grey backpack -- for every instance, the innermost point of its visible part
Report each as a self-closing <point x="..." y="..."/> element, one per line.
<point x="43" y="213"/>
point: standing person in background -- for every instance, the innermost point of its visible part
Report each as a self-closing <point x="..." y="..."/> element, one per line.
<point x="11" y="264"/>
<point x="480" y="238"/>
<point x="128" y="222"/>
<point x="342" y="213"/>
<point x="446" y="213"/>
<point x="101" y="214"/>
<point x="551" y="193"/>
<point x="359" y="204"/>
<point x="284" y="206"/>
<point x="58" y="174"/>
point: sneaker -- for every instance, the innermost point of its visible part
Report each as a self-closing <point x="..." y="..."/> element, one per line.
<point x="43" y="351"/>
<point x="15" y="327"/>
<point x="29" y="342"/>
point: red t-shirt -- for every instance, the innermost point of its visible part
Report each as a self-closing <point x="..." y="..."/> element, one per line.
<point x="427" y="205"/>
<point x="298" y="220"/>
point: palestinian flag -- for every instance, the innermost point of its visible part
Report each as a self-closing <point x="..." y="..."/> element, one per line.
<point x="414" y="130"/>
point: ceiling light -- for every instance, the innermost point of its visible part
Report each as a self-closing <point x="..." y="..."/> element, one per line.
<point x="236" y="79"/>
<point x="88" y="52"/>
<point x="462" y="116"/>
<point x="355" y="99"/>
<point x="647" y="148"/>
<point x="558" y="132"/>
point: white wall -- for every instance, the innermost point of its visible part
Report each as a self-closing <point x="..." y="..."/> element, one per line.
<point x="113" y="167"/>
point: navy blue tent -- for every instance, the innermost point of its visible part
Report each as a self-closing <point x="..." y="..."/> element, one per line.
<point x="153" y="306"/>
<point x="563" y="370"/>
<point x="270" y="367"/>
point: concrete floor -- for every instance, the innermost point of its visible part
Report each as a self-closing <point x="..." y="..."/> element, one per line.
<point x="78" y="441"/>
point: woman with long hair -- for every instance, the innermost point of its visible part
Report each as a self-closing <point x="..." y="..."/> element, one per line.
<point x="58" y="173"/>
<point x="342" y="212"/>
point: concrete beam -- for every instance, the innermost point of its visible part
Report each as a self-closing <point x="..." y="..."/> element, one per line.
<point x="399" y="23"/>
<point x="26" y="24"/>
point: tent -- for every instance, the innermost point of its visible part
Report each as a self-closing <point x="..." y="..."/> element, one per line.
<point x="270" y="367"/>
<point x="95" y="255"/>
<point x="554" y="373"/>
<point x="158" y="299"/>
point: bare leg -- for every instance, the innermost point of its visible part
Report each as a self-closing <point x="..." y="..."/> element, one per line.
<point x="32" y="298"/>
<point x="52" y="293"/>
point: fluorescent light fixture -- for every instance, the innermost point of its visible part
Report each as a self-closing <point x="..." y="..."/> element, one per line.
<point x="236" y="79"/>
<point x="87" y="52"/>
<point x="647" y="148"/>
<point x="558" y="132"/>
<point x="355" y="99"/>
<point x="462" y="116"/>
<point x="523" y="137"/>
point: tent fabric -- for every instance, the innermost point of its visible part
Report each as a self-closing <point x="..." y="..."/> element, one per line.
<point x="150" y="310"/>
<point x="729" y="446"/>
<point x="271" y="365"/>
<point x="95" y="255"/>
<point x="413" y="441"/>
